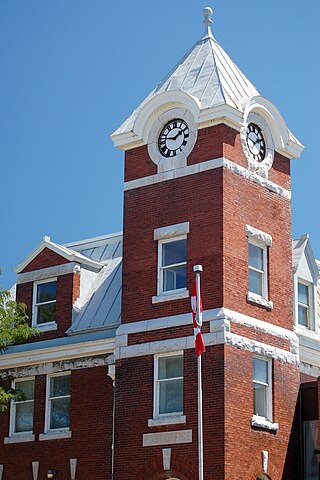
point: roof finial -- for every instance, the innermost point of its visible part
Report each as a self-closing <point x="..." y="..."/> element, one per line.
<point x="207" y="13"/>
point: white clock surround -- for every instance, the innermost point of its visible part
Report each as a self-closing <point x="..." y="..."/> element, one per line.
<point x="259" y="167"/>
<point x="165" y="164"/>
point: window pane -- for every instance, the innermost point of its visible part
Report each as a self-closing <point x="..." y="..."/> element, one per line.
<point x="260" y="370"/>
<point x="170" y="367"/>
<point x="303" y="316"/>
<point x="255" y="282"/>
<point x="174" y="252"/>
<point x="60" y="386"/>
<point x="171" y="393"/>
<point x="27" y="387"/>
<point x="46" y="292"/>
<point x="255" y="256"/>
<point x="174" y="278"/>
<point x="24" y="417"/>
<point x="259" y="400"/>
<point x="303" y="294"/>
<point x="46" y="313"/>
<point x="60" y="413"/>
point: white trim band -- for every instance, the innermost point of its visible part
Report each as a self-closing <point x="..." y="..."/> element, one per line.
<point x="45" y="273"/>
<point x="204" y="166"/>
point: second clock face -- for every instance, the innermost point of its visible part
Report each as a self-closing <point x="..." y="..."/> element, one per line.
<point x="255" y="142"/>
<point x="173" y="137"/>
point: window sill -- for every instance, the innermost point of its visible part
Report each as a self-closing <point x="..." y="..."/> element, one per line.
<point x="255" y="298"/>
<point x="262" y="422"/>
<point x="18" y="438"/>
<point x="170" y="296"/>
<point x="155" y="422"/>
<point x="46" y="327"/>
<point x="55" y="435"/>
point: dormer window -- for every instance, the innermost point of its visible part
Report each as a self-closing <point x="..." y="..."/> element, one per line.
<point x="44" y="303"/>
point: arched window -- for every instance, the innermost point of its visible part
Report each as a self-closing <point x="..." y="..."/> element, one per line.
<point x="263" y="476"/>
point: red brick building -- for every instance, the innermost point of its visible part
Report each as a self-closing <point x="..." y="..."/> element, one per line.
<point x="111" y="383"/>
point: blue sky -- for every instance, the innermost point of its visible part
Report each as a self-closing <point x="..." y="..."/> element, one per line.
<point x="72" y="71"/>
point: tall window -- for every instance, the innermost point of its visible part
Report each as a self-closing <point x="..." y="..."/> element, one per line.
<point x="168" y="385"/>
<point x="173" y="265"/>
<point x="262" y="388"/>
<point x="303" y="305"/>
<point x="58" y="402"/>
<point x="21" y="420"/>
<point x="257" y="270"/>
<point x="44" y="303"/>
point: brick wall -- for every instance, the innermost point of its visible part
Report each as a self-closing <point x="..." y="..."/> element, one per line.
<point x="68" y="290"/>
<point x="134" y="406"/>
<point x="91" y="426"/>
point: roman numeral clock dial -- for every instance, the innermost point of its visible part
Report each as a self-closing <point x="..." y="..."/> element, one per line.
<point x="173" y="138"/>
<point x="255" y="142"/>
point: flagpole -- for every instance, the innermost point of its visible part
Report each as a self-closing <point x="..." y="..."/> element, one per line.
<point x="198" y="269"/>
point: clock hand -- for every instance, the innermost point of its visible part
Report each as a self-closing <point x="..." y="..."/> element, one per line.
<point x="174" y="138"/>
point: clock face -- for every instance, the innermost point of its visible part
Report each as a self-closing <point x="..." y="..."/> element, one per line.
<point x="173" y="137"/>
<point x="255" y="142"/>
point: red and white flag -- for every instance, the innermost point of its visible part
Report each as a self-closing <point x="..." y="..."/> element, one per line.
<point x="198" y="340"/>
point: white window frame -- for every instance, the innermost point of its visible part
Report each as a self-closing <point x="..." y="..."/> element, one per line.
<point x="12" y="421"/>
<point x="269" y="397"/>
<point x="42" y="326"/>
<point x="262" y="240"/>
<point x="161" y="269"/>
<point x="309" y="307"/>
<point x="173" y="417"/>
<point x="162" y="235"/>
<point x="264" y="271"/>
<point x="47" y="428"/>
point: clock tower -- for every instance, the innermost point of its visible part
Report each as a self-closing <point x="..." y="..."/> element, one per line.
<point x="207" y="181"/>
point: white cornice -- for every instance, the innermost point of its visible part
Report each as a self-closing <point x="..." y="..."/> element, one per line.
<point x="57" y="353"/>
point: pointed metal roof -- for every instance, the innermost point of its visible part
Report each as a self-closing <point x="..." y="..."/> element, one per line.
<point x="205" y="72"/>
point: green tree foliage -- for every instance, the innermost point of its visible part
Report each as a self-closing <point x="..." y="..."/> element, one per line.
<point x="14" y="328"/>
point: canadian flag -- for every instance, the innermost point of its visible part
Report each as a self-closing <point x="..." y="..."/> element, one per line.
<point x="198" y="340"/>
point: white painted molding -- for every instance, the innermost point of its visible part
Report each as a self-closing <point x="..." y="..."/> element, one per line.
<point x="209" y="165"/>
<point x="283" y="139"/>
<point x="35" y="470"/>
<point x="218" y="315"/>
<point x="259" y="300"/>
<point x="166" y="438"/>
<point x="155" y="422"/>
<point x="56" y="353"/>
<point x="166" y="458"/>
<point x="262" y="422"/>
<point x="73" y="468"/>
<point x="55" y="435"/>
<point x="171" y="231"/>
<point x="19" y="438"/>
<point x="170" y="296"/>
<point x="258" y="235"/>
<point x="49" y="272"/>
<point x="312" y="370"/>
<point x="57" y="367"/>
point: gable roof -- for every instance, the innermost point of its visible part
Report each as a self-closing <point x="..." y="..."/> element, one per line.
<point x="300" y="247"/>
<point x="63" y="251"/>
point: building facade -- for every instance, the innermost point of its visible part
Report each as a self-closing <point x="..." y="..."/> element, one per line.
<point x="111" y="383"/>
